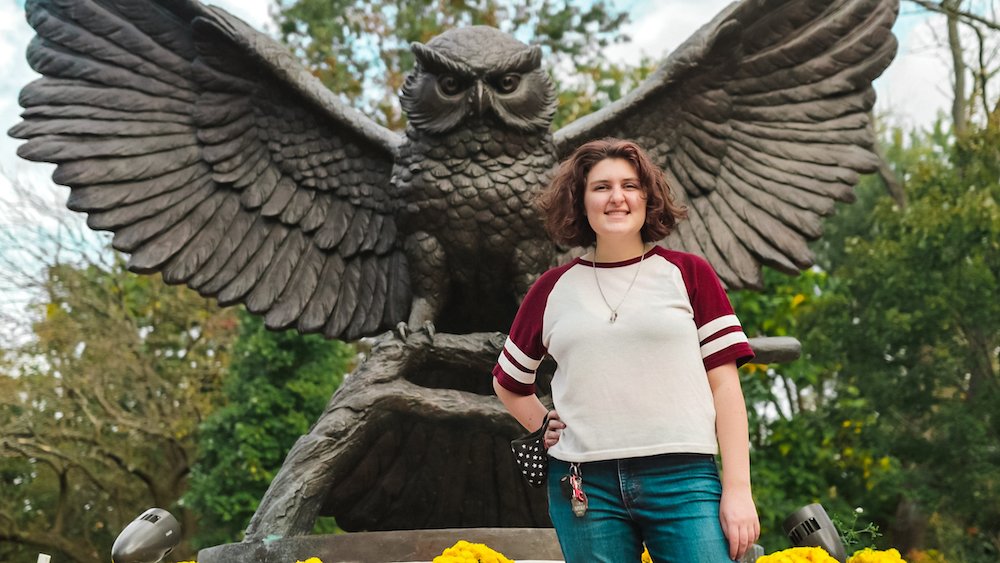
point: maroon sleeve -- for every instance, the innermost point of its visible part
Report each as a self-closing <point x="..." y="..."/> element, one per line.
<point x="523" y="350"/>
<point x="720" y="334"/>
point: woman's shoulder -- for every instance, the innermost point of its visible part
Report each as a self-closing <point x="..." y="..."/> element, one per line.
<point x="553" y="274"/>
<point x="683" y="260"/>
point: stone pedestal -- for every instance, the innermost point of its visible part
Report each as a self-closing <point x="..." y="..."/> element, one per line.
<point x="519" y="544"/>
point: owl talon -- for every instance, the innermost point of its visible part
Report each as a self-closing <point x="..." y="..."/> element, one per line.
<point x="401" y="330"/>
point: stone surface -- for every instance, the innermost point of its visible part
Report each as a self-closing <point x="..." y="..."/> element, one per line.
<point x="413" y="439"/>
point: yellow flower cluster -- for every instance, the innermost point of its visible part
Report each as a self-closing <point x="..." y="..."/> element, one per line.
<point x="465" y="552"/>
<point x="799" y="555"/>
<point x="819" y="555"/>
<point x="874" y="556"/>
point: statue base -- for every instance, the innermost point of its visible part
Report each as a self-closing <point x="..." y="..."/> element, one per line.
<point x="519" y="544"/>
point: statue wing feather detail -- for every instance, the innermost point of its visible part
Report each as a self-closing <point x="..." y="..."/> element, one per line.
<point x="217" y="160"/>
<point x="761" y="122"/>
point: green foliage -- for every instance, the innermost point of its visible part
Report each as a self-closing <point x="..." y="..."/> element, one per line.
<point x="922" y="345"/>
<point x="854" y="537"/>
<point x="809" y="439"/>
<point x="98" y="410"/>
<point x="893" y="404"/>
<point x="360" y="50"/>
<point x="277" y="385"/>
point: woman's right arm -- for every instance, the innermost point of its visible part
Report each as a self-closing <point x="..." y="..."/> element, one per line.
<point x="527" y="409"/>
<point x="530" y="412"/>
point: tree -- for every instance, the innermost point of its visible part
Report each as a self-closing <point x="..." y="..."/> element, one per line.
<point x="894" y="409"/>
<point x="98" y="410"/>
<point x="275" y="388"/>
<point x="810" y="437"/>
<point x="926" y="354"/>
<point x="980" y="18"/>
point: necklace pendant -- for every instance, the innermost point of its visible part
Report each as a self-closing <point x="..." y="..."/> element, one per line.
<point x="614" y="317"/>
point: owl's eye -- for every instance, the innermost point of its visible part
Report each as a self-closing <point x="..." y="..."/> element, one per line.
<point x="450" y="85"/>
<point x="508" y="83"/>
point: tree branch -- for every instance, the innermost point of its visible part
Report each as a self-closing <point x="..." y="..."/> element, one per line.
<point x="981" y="75"/>
<point x="959" y="111"/>
<point x="28" y="448"/>
<point x="892" y="184"/>
<point x="945" y="8"/>
<point x="49" y="542"/>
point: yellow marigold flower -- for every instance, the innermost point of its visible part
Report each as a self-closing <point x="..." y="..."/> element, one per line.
<point x="799" y="555"/>
<point x="868" y="555"/>
<point x="465" y="552"/>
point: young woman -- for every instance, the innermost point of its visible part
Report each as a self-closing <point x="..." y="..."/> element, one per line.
<point x="646" y="391"/>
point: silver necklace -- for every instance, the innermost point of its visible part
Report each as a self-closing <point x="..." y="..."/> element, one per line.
<point x="614" y="310"/>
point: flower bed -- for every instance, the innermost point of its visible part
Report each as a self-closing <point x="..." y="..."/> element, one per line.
<point x="466" y="552"/>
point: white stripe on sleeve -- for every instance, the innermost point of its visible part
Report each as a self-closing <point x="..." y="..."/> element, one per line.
<point x="715" y="325"/>
<point x="519" y="356"/>
<point x="515" y="372"/>
<point x="722" y="343"/>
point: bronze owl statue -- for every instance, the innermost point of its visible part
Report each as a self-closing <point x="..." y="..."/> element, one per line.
<point x="220" y="162"/>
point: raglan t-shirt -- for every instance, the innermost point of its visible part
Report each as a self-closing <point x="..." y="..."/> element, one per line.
<point x="637" y="386"/>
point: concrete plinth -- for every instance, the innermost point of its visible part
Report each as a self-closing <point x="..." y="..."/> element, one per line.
<point x="519" y="544"/>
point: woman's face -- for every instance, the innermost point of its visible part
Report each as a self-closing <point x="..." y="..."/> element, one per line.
<point x="614" y="200"/>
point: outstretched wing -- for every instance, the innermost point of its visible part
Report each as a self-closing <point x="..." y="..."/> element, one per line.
<point x="762" y="117"/>
<point x="217" y="160"/>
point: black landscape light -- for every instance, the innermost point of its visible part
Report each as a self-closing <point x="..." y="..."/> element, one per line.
<point x="810" y="526"/>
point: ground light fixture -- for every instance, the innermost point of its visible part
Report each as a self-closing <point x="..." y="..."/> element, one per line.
<point x="148" y="538"/>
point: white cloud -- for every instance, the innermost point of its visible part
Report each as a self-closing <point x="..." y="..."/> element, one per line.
<point x="254" y="12"/>
<point x="659" y="27"/>
<point x="918" y="83"/>
<point x="14" y="37"/>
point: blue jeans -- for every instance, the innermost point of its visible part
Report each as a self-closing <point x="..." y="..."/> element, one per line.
<point x="668" y="502"/>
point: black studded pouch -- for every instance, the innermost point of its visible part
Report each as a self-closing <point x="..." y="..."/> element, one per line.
<point x="530" y="456"/>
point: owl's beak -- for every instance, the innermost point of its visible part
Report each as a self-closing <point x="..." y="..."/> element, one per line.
<point x="480" y="98"/>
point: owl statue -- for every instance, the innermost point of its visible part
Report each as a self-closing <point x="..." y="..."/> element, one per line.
<point x="220" y="162"/>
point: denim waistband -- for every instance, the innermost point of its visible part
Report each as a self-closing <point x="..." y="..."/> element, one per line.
<point x="652" y="460"/>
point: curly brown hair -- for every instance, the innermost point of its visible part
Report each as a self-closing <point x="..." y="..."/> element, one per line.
<point x="561" y="202"/>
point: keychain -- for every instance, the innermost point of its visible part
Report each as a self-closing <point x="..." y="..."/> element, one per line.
<point x="572" y="487"/>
